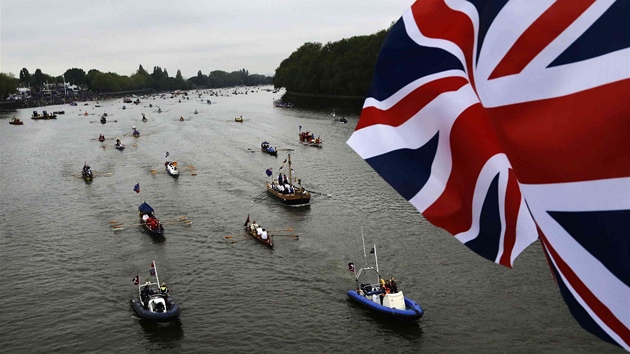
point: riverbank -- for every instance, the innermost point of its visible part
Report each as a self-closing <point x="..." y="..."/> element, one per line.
<point x="341" y="104"/>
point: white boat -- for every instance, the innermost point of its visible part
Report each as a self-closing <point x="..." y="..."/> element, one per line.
<point x="171" y="168"/>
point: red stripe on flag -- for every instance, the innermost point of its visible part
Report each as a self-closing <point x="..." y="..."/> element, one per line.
<point x="581" y="137"/>
<point x="599" y="308"/>
<point x="472" y="142"/>
<point x="539" y="35"/>
<point x="435" y="19"/>
<point x="410" y="104"/>
<point x="512" y="207"/>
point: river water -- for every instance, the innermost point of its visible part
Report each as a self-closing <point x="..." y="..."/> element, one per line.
<point x="67" y="277"/>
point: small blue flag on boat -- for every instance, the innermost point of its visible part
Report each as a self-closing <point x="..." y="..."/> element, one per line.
<point x="166" y="154"/>
<point x="136" y="280"/>
<point x="136" y="188"/>
<point x="269" y="172"/>
<point x="372" y="250"/>
<point x="351" y="266"/>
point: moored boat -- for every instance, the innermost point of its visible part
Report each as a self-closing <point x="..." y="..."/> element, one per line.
<point x="258" y="233"/>
<point x="286" y="190"/>
<point x="309" y="139"/>
<point x="148" y="220"/>
<point x="154" y="301"/>
<point x="16" y="121"/>
<point x="171" y="168"/>
<point x="127" y="100"/>
<point x="380" y="296"/>
<point x="264" y="146"/>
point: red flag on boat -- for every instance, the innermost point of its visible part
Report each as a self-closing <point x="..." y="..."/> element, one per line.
<point x="136" y="280"/>
<point x="246" y="221"/>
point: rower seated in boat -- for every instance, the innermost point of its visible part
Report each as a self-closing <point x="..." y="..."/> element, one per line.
<point x="264" y="235"/>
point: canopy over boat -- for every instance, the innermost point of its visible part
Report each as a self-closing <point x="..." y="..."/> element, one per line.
<point x="145" y="208"/>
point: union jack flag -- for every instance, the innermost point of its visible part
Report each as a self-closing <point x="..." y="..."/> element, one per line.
<point x="505" y="122"/>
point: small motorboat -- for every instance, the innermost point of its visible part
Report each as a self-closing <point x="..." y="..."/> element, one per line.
<point x="268" y="149"/>
<point x="154" y="301"/>
<point x="380" y="296"/>
<point x="148" y="220"/>
<point x="119" y="145"/>
<point x="101" y="138"/>
<point x="16" y="121"/>
<point x="258" y="233"/>
<point x="341" y="120"/>
<point x="171" y="168"/>
<point x="309" y="139"/>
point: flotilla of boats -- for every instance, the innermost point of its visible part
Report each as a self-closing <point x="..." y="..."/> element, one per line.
<point x="153" y="300"/>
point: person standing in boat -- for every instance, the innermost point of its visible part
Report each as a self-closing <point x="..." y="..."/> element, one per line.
<point x="144" y="296"/>
<point x="164" y="289"/>
<point x="393" y="285"/>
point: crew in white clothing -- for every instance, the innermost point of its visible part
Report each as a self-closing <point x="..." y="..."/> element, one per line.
<point x="264" y="235"/>
<point x="259" y="231"/>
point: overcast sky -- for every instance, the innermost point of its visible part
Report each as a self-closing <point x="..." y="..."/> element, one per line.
<point x="189" y="35"/>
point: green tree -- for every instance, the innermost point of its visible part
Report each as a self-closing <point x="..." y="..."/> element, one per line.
<point x="25" y="76"/>
<point x="74" y="76"/>
<point x="8" y="85"/>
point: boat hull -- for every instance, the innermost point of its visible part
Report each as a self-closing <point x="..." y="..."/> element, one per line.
<point x="290" y="198"/>
<point x="272" y="153"/>
<point x="120" y="147"/>
<point x="169" y="315"/>
<point x="156" y="233"/>
<point x="268" y="242"/>
<point x="412" y="311"/>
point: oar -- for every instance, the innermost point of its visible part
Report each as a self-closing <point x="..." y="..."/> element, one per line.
<point x="313" y="192"/>
<point x="288" y="230"/>
<point x="292" y="236"/>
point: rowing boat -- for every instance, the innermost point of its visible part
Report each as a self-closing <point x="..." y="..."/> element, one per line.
<point x="254" y="229"/>
<point x="148" y="220"/>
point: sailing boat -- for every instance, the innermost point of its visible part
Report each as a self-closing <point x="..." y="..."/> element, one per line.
<point x="287" y="191"/>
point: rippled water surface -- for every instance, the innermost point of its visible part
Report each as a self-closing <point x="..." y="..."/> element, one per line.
<point x="67" y="277"/>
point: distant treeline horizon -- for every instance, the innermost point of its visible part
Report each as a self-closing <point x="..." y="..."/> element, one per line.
<point x="342" y="68"/>
<point x="158" y="80"/>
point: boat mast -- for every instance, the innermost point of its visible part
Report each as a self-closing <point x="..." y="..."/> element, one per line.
<point x="363" y="239"/>
<point x="375" y="259"/>
<point x="290" y="174"/>
<point x="156" y="275"/>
